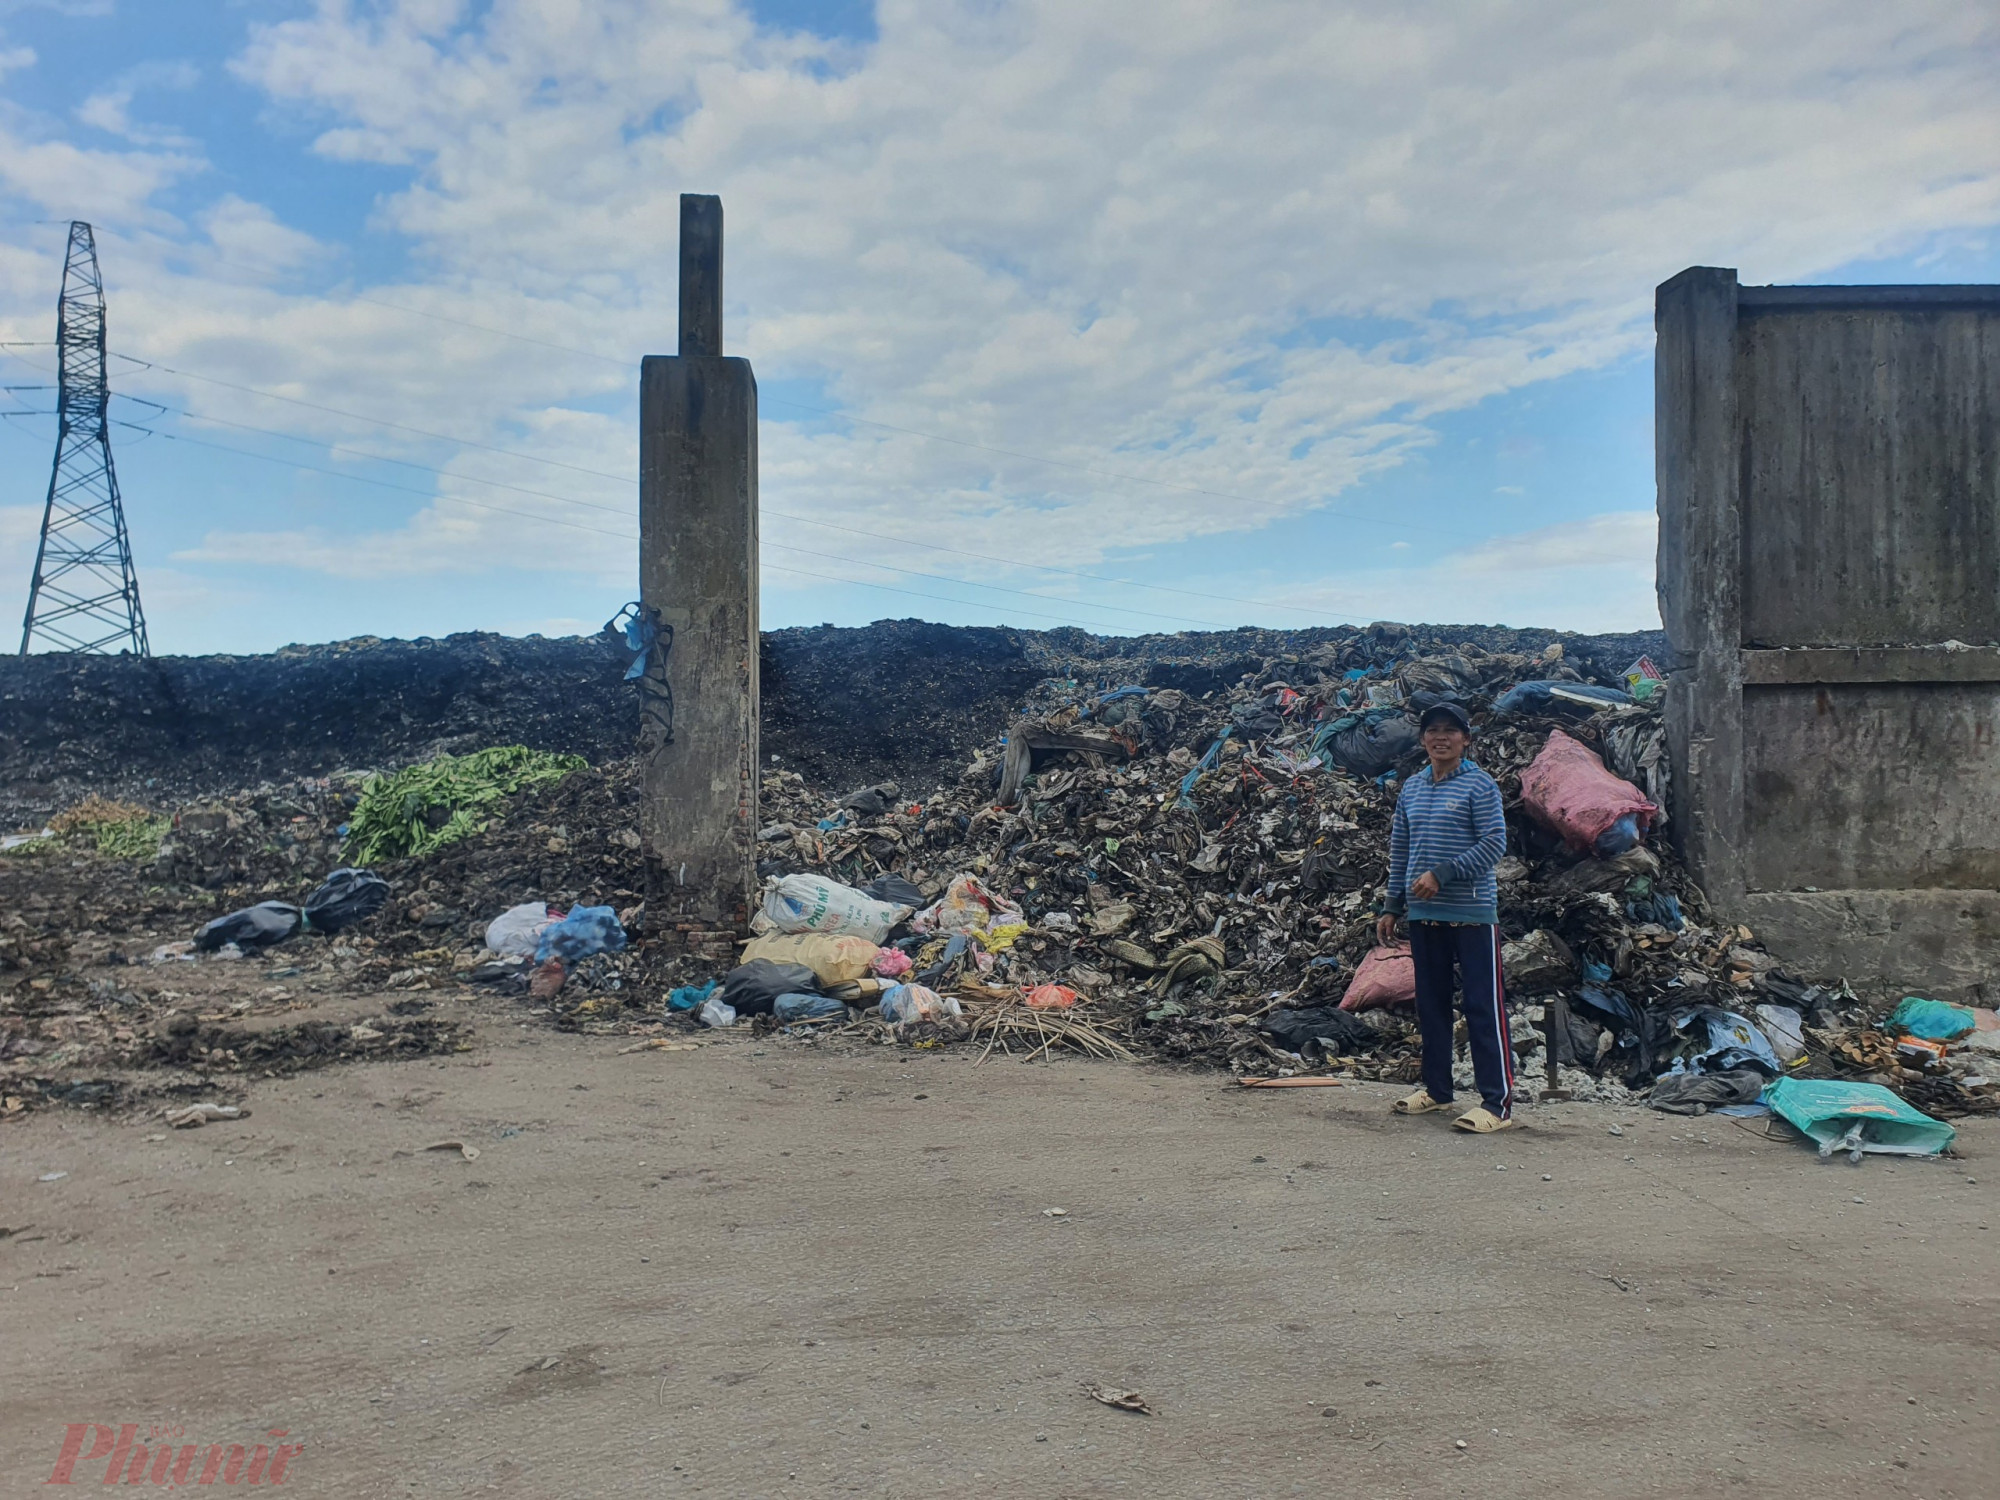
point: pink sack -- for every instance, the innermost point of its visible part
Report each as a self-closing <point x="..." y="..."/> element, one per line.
<point x="1387" y="976"/>
<point x="891" y="963"/>
<point x="1568" y="791"/>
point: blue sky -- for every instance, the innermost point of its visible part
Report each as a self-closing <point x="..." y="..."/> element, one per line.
<point x="1136" y="316"/>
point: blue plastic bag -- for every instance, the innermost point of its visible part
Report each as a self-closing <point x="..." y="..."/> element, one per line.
<point x="805" y="1007"/>
<point x="1933" y="1020"/>
<point x="1621" y="836"/>
<point x="1733" y="1042"/>
<point x="690" y="996"/>
<point x="1546" y="696"/>
<point x="585" y="931"/>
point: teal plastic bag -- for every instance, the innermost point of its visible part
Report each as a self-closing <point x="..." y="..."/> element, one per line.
<point x="1857" y="1118"/>
<point x="1933" y="1020"/>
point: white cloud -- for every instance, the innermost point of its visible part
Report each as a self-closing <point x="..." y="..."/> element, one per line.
<point x="1621" y="539"/>
<point x="110" y="110"/>
<point x="1249" y="253"/>
<point x="1600" y="567"/>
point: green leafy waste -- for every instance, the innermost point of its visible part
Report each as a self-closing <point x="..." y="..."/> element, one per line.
<point x="425" y="807"/>
<point x="120" y="830"/>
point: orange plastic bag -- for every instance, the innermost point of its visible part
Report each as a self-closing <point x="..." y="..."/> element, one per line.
<point x="1387" y="976"/>
<point x="1051" y="997"/>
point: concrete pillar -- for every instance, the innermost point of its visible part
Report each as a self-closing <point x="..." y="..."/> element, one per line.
<point x="1700" y="571"/>
<point x="698" y="570"/>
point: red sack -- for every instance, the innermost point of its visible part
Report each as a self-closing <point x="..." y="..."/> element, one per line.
<point x="1568" y="791"/>
<point x="1387" y="976"/>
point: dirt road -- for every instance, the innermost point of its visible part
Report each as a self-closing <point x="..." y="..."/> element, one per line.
<point x="761" y="1269"/>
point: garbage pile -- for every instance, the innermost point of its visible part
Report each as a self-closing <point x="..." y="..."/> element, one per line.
<point x="1197" y="879"/>
<point x="1185" y="873"/>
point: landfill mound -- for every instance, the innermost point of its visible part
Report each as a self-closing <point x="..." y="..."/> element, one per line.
<point x="899" y="698"/>
<point x="1188" y="874"/>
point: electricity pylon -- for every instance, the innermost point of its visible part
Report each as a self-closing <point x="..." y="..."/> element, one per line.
<point x="85" y="595"/>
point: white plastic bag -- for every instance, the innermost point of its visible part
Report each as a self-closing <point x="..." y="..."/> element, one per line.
<point x="1782" y="1026"/>
<point x="516" y="931"/>
<point x="714" y="1013"/>
<point x="916" y="1002"/>
<point x="807" y="903"/>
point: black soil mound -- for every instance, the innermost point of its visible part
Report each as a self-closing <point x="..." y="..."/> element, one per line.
<point x="899" y="700"/>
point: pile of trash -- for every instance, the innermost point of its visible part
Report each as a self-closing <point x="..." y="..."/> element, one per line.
<point x="1187" y="872"/>
<point x="1197" y="878"/>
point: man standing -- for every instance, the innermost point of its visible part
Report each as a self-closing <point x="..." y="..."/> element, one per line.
<point x="1450" y="829"/>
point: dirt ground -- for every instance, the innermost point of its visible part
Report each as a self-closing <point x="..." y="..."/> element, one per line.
<point x="767" y="1269"/>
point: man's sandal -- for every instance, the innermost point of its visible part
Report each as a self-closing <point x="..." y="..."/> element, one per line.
<point x="1419" y="1103"/>
<point x="1481" y="1121"/>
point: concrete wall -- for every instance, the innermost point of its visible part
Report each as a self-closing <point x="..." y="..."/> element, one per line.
<point x="1829" y="494"/>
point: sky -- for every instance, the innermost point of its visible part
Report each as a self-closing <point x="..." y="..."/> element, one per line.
<point x="1143" y="315"/>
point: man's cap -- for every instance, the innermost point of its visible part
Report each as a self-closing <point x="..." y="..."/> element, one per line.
<point x="1451" y="711"/>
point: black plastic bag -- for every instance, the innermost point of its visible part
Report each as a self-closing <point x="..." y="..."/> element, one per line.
<point x="1326" y="1029"/>
<point x="1697" y="1093"/>
<point x="753" y="988"/>
<point x="252" y="929"/>
<point x="344" y="898"/>
<point x="1369" y="750"/>
<point x="895" y="890"/>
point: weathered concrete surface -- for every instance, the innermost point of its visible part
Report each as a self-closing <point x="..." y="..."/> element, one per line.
<point x="764" y="1270"/>
<point x="1889" y="943"/>
<point x="1874" y="786"/>
<point x="1829" y="479"/>
<point x="1871" y="462"/>
<point x="1698" y="579"/>
<point x="698" y="576"/>
<point x="698" y="568"/>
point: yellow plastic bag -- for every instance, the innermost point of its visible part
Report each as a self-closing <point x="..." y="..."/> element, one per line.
<point x="836" y="960"/>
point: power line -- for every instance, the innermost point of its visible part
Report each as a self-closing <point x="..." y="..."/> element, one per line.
<point x="621" y="510"/>
<point x="432" y="495"/>
<point x="632" y="536"/>
<point x="84" y="593"/>
<point x="842" y="416"/>
<point x="628" y="536"/>
<point x="626" y="479"/>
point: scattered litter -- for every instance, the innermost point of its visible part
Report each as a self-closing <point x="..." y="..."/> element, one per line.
<point x="469" y="1152"/>
<point x="1122" y="1400"/>
<point x="690" y="996"/>
<point x="194" y="1116"/>
<point x="753" y="988"/>
<point x="909" y="1003"/>
<point x="809" y="903"/>
<point x="52" y="1177"/>
<point x="1857" y="1118"/>
<point x="584" y="933"/>
<point x="345" y="897"/>
<point x="1934" y="1020"/>
<point x="1290" y="1083"/>
<point x="1055" y="1213"/>
<point x="252" y="929"/>
<point x="517" y="931"/>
